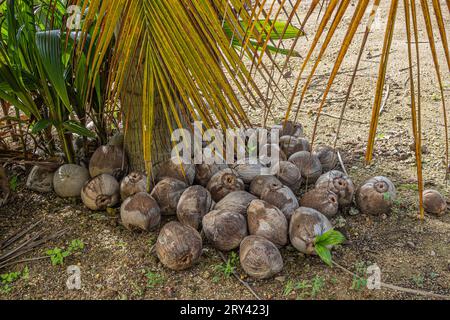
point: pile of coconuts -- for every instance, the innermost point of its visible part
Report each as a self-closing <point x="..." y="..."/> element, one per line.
<point x="232" y="207"/>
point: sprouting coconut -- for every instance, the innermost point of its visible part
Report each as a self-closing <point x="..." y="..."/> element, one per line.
<point x="281" y="197"/>
<point x="224" y="229"/>
<point x="260" y="258"/>
<point x="110" y="160"/>
<point x="308" y="164"/>
<point x="376" y="196"/>
<point x="40" y="179"/>
<point x="237" y="201"/>
<point x="322" y="200"/>
<point x="173" y="169"/>
<point x="340" y="184"/>
<point x="261" y="183"/>
<point x="178" y="246"/>
<point x="69" y="179"/>
<point x="101" y="192"/>
<point x="194" y="203"/>
<point x="434" y="202"/>
<point x="267" y="221"/>
<point x="289" y="175"/>
<point x="167" y="193"/>
<point x="140" y="211"/>
<point x="291" y="145"/>
<point x="133" y="183"/>
<point x="305" y="226"/>
<point x="223" y="183"/>
<point x="327" y="157"/>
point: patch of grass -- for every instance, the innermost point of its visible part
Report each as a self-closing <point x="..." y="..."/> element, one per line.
<point x="7" y="280"/>
<point x="154" y="279"/>
<point x="305" y="288"/>
<point x="318" y="284"/>
<point x="227" y="269"/>
<point x="13" y="183"/>
<point x="408" y="187"/>
<point x="359" y="282"/>
<point x="57" y="255"/>
<point x="419" y="280"/>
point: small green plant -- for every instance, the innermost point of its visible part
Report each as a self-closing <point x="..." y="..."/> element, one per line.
<point x="359" y="281"/>
<point x="153" y="279"/>
<point x="326" y="240"/>
<point x="288" y="288"/>
<point x="57" y="255"/>
<point x="419" y="280"/>
<point x="229" y="267"/>
<point x="318" y="284"/>
<point x="7" y="279"/>
<point x="13" y="182"/>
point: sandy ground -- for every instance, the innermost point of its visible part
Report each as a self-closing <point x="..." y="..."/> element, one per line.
<point x="117" y="264"/>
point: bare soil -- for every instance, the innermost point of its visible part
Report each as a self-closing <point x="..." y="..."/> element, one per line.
<point x="115" y="263"/>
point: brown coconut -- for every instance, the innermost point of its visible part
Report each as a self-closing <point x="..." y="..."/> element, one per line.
<point x="290" y="128"/>
<point x="69" y="179"/>
<point x="194" y="203"/>
<point x="376" y="196"/>
<point x="290" y="145"/>
<point x="4" y="187"/>
<point x="305" y="226"/>
<point x="247" y="172"/>
<point x="340" y="184"/>
<point x="110" y="160"/>
<point x="434" y="202"/>
<point x="178" y="246"/>
<point x="140" y="211"/>
<point x="204" y="172"/>
<point x="167" y="193"/>
<point x="260" y="258"/>
<point x="261" y="183"/>
<point x="308" y="164"/>
<point x="173" y="169"/>
<point x="133" y="183"/>
<point x="101" y="192"/>
<point x="223" y="183"/>
<point x="40" y="179"/>
<point x="267" y="221"/>
<point x="322" y="200"/>
<point x="266" y="154"/>
<point x="289" y="175"/>
<point x="281" y="197"/>
<point x="224" y="229"/>
<point x="237" y="201"/>
<point x="327" y="157"/>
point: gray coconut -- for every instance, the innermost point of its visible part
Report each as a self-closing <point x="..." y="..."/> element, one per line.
<point x="178" y="246"/>
<point x="305" y="226"/>
<point x="308" y="164"/>
<point x="261" y="183"/>
<point x="260" y="258"/>
<point x="167" y="193"/>
<point x="322" y="200"/>
<point x="40" y="179"/>
<point x="223" y="183"/>
<point x="133" y="183"/>
<point x="327" y="157"/>
<point x="265" y="154"/>
<point x="291" y="145"/>
<point x="204" y="172"/>
<point x="101" y="192"/>
<point x="224" y="229"/>
<point x="267" y="221"/>
<point x="434" y="202"/>
<point x="237" y="201"/>
<point x="376" y="196"/>
<point x="194" y="203"/>
<point x="69" y="179"/>
<point x="248" y="172"/>
<point x="290" y="128"/>
<point x="283" y="198"/>
<point x="340" y="184"/>
<point x="289" y="175"/>
<point x="173" y="169"/>
<point x="110" y="160"/>
<point x="140" y="211"/>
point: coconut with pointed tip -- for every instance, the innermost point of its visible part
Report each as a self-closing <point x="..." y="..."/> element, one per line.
<point x="194" y="203"/>
<point x="204" y="172"/>
<point x="101" y="192"/>
<point x="322" y="200"/>
<point x="223" y="183"/>
<point x="110" y="160"/>
<point x="327" y="157"/>
<point x="305" y="226"/>
<point x="308" y="164"/>
<point x="167" y="193"/>
<point x="172" y="168"/>
<point x="267" y="221"/>
<point x="140" y="211"/>
<point x="339" y="183"/>
<point x="224" y="229"/>
<point x="237" y="201"/>
<point x="261" y="183"/>
<point x="247" y="172"/>
<point x="281" y="197"/>
<point x="40" y="179"/>
<point x="133" y="183"/>
<point x="69" y="179"/>
<point x="434" y="202"/>
<point x="260" y="258"/>
<point x="178" y="246"/>
<point x="290" y="145"/>
<point x="376" y="196"/>
<point x="289" y="175"/>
